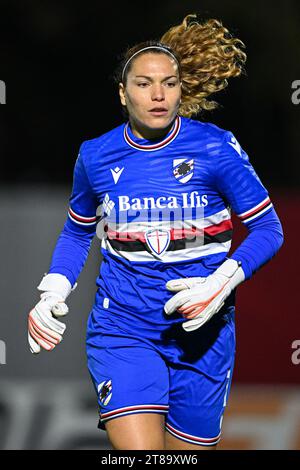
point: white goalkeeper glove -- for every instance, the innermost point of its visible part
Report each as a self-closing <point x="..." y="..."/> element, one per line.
<point x="199" y="298"/>
<point x="44" y="330"/>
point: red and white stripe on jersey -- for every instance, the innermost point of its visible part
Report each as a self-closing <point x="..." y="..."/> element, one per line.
<point x="256" y="211"/>
<point x="193" y="439"/>
<point x="175" y="234"/>
<point x="186" y="254"/>
<point x="133" y="409"/>
<point x="193" y="231"/>
<point x="212" y="224"/>
<point x="79" y="219"/>
<point x="159" y="145"/>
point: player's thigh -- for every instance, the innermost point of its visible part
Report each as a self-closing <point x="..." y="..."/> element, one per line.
<point x="172" y="443"/>
<point x="132" y="384"/>
<point x="199" y="386"/>
<point x="144" y="431"/>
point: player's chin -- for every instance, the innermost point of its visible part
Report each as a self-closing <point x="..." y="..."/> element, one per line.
<point x="158" y="122"/>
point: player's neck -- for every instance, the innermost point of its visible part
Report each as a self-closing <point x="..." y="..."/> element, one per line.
<point x="145" y="133"/>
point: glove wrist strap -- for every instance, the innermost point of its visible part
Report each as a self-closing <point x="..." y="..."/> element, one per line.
<point x="56" y="283"/>
<point x="232" y="269"/>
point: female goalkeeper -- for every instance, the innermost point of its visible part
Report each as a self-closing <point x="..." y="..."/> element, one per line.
<point x="161" y="334"/>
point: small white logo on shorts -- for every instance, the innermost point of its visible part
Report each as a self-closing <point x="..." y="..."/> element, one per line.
<point x="105" y="302"/>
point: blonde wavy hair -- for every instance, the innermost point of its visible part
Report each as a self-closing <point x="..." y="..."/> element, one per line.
<point x="208" y="55"/>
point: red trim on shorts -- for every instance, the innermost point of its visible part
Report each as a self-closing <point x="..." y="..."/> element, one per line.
<point x="193" y="439"/>
<point x="133" y="409"/>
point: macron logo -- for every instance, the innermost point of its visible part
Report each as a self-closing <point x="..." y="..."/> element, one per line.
<point x="116" y="173"/>
<point x="234" y="143"/>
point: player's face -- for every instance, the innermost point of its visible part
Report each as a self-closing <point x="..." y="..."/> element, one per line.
<point x="152" y="94"/>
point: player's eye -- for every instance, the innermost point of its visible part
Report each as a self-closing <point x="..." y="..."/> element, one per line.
<point x="170" y="84"/>
<point x="142" y="84"/>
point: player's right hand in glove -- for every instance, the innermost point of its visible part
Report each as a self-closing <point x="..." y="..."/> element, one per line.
<point x="44" y="330"/>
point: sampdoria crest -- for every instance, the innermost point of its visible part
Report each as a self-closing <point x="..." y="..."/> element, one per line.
<point x="183" y="169"/>
<point x="157" y="240"/>
<point x="105" y="392"/>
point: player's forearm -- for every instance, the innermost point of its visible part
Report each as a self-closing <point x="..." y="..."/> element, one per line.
<point x="70" y="253"/>
<point x="262" y="243"/>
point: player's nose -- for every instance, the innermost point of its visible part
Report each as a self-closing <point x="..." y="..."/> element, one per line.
<point x="158" y="93"/>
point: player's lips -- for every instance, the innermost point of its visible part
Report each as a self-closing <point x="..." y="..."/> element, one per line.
<point x="158" y="111"/>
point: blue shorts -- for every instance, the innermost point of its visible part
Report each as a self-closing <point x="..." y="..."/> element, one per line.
<point x="184" y="375"/>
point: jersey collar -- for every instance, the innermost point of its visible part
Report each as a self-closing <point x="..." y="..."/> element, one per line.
<point x="141" y="144"/>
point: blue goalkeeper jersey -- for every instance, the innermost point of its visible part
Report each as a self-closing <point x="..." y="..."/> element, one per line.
<point x="165" y="209"/>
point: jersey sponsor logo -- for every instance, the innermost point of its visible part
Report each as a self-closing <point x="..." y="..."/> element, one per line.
<point x="105" y="392"/>
<point x="116" y="173"/>
<point x="189" y="200"/>
<point x="108" y="204"/>
<point x="234" y="144"/>
<point x="158" y="240"/>
<point x="183" y="169"/>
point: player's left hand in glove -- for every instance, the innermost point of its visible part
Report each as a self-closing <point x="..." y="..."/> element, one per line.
<point x="199" y="298"/>
<point x="44" y="330"/>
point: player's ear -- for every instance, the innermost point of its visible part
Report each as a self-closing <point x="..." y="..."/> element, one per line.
<point x="122" y="94"/>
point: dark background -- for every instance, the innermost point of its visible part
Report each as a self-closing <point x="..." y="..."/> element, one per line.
<point x="57" y="60"/>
